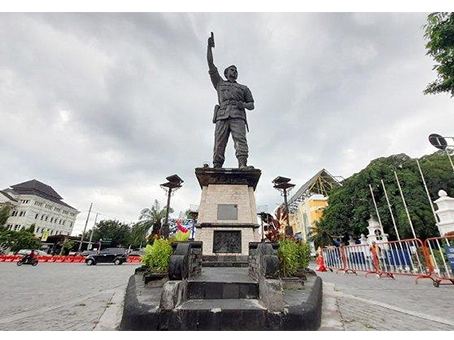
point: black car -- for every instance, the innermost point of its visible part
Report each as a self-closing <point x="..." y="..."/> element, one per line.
<point x="108" y="255"/>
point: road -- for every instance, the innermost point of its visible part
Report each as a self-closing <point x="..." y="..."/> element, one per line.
<point x="59" y="296"/>
<point x="358" y="303"/>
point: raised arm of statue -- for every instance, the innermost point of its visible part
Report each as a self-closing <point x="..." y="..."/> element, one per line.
<point x="214" y="74"/>
<point x="210" y="52"/>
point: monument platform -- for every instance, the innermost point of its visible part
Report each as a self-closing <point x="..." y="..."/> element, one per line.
<point x="227" y="219"/>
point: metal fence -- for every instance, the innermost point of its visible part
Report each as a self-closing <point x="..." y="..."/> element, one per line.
<point x="433" y="259"/>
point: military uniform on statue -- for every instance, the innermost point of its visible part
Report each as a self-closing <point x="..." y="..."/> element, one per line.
<point x="227" y="220"/>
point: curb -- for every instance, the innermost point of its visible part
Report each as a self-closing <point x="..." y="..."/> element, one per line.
<point x="111" y="318"/>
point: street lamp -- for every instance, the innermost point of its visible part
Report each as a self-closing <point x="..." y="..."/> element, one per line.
<point x="173" y="184"/>
<point x="284" y="186"/>
<point x="440" y="143"/>
<point x="263" y="216"/>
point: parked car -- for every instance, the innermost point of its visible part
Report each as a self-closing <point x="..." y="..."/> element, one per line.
<point x="108" y="255"/>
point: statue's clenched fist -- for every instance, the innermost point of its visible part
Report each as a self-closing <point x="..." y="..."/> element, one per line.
<point x="211" y="41"/>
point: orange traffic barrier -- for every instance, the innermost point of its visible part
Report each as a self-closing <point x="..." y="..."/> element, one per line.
<point x="320" y="264"/>
<point x="440" y="253"/>
<point x="133" y="259"/>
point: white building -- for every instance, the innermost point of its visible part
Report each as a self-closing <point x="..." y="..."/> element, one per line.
<point x="33" y="202"/>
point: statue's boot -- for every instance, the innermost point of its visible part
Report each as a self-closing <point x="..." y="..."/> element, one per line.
<point x="242" y="164"/>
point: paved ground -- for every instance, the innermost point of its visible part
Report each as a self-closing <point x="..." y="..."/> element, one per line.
<point x="359" y="303"/>
<point x="59" y="296"/>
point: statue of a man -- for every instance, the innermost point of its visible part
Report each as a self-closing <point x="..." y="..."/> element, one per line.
<point x="230" y="114"/>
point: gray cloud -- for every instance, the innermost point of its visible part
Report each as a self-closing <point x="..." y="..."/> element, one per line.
<point x="104" y="106"/>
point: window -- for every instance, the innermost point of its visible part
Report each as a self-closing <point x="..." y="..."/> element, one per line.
<point x="36" y="216"/>
<point x="51" y="219"/>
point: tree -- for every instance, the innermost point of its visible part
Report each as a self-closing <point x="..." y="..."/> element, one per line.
<point x="17" y="240"/>
<point x="320" y="236"/>
<point x="350" y="205"/>
<point x="112" y="232"/>
<point x="153" y="216"/>
<point x="138" y="234"/>
<point x="4" y="215"/>
<point x="439" y="30"/>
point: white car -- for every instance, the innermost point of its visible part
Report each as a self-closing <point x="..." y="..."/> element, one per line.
<point x="28" y="251"/>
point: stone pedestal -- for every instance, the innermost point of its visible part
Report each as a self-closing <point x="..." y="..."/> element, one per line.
<point x="227" y="219"/>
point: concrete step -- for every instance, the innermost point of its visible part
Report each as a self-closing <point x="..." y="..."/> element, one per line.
<point x="222" y="290"/>
<point x="230" y="304"/>
<point x="225" y="264"/>
<point x="238" y="261"/>
<point x="225" y="258"/>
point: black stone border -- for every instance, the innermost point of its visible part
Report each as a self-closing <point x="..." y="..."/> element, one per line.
<point x="139" y="316"/>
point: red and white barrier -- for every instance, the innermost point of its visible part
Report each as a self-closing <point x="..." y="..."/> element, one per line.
<point x="404" y="257"/>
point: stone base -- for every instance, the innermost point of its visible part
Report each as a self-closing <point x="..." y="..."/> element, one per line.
<point x="206" y="234"/>
<point x="227" y="219"/>
<point x="142" y="312"/>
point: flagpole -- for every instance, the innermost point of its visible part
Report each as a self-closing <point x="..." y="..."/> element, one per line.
<point x="405" y="205"/>
<point x="390" y="211"/>
<point x="427" y="192"/>
<point x="376" y="209"/>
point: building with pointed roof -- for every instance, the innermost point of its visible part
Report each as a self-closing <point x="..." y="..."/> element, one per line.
<point x="33" y="202"/>
<point x="307" y="204"/>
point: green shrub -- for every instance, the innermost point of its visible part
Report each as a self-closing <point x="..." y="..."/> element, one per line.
<point x="293" y="256"/>
<point x="304" y="254"/>
<point x="157" y="256"/>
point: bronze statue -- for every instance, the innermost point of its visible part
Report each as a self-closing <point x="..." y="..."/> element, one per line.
<point x="229" y="114"/>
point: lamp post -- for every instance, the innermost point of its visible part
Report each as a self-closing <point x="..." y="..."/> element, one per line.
<point x="173" y="184"/>
<point x="262" y="216"/>
<point x="284" y="186"/>
<point x="440" y="143"/>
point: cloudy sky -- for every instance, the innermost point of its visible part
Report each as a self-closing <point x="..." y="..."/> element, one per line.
<point x="103" y="107"/>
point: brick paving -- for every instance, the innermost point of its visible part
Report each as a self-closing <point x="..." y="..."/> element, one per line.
<point x="386" y="304"/>
<point x="58" y="296"/>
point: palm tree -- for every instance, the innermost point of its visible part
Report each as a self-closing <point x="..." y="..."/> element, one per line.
<point x="152" y="217"/>
<point x="320" y="235"/>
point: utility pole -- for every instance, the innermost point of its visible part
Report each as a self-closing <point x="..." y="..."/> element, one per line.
<point x="85" y="228"/>
<point x="92" y="229"/>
